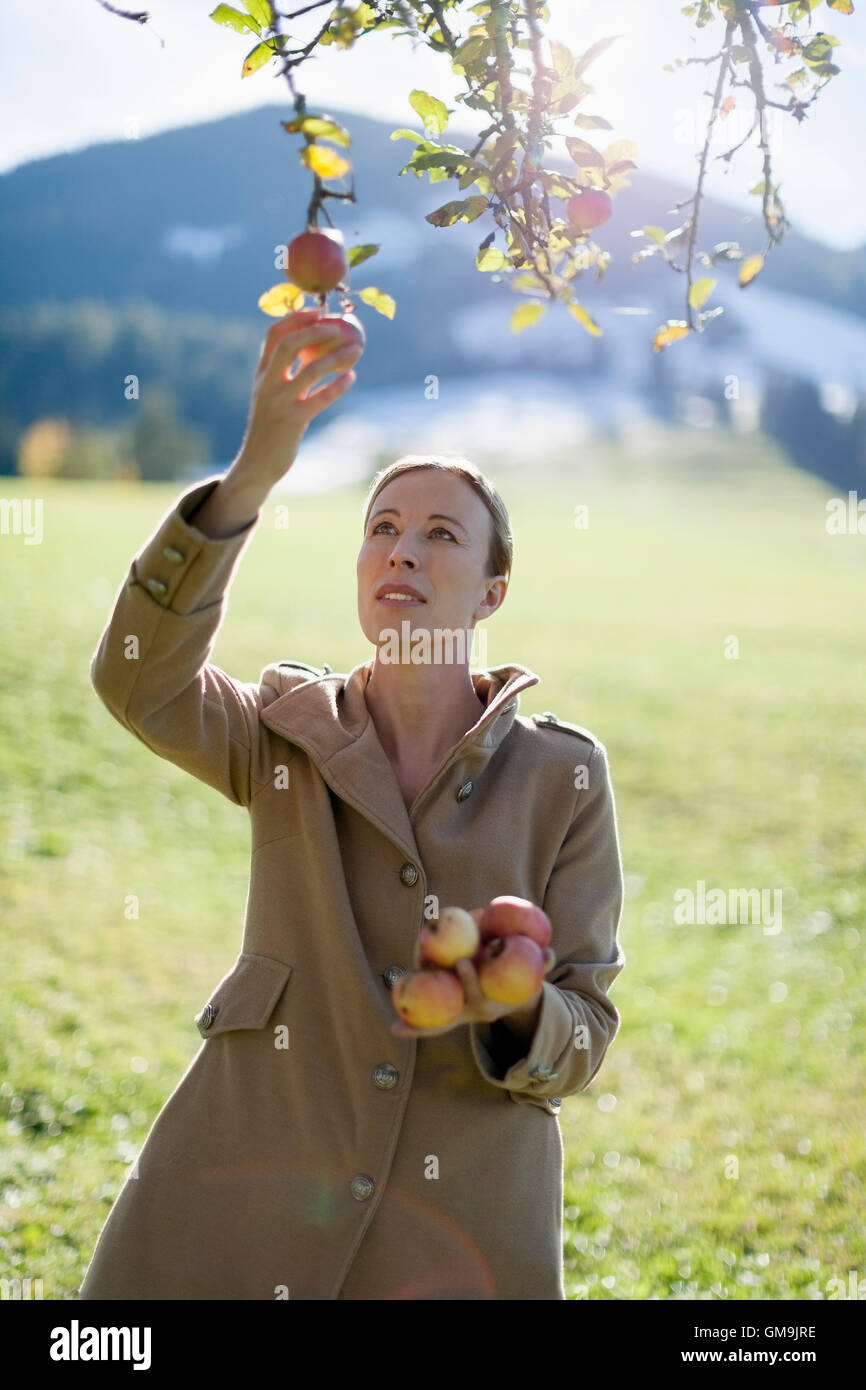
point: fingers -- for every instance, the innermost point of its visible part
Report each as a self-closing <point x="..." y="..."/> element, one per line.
<point x="274" y="369"/>
<point x="315" y="401"/>
<point x="288" y="325"/>
<point x="342" y="356"/>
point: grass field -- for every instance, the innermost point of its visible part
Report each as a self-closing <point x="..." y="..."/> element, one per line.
<point x="721" y="1151"/>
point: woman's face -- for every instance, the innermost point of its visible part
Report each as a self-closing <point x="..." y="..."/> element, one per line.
<point x="432" y="531"/>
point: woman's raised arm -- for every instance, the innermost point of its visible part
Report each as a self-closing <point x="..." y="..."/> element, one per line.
<point x="151" y="667"/>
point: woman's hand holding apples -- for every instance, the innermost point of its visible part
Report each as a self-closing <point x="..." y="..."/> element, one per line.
<point x="475" y="967"/>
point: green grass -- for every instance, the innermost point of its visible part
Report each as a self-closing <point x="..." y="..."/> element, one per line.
<point x="720" y="1152"/>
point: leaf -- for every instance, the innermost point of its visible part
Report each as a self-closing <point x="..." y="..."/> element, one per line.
<point x="329" y="130"/>
<point x="280" y="300"/>
<point x="356" y="254"/>
<point x="656" y="234"/>
<point x="433" y="112"/>
<point x="620" y="149"/>
<point x="593" y="52"/>
<point x="819" y="48"/>
<point x="324" y="162"/>
<point x="843" y="6"/>
<point x="593" y="122"/>
<point x="403" y="134"/>
<point x="378" y="300"/>
<point x="491" y="258"/>
<point x="586" y="319"/>
<point x="233" y="19"/>
<point x="262" y="11"/>
<point x="525" y="315"/>
<point x="582" y="152"/>
<point x="669" y="333"/>
<point x="475" y="205"/>
<point x="751" y="267"/>
<point x="262" y="53"/>
<point x="700" y="291"/>
<point x="469" y="51"/>
<point x="563" y="59"/>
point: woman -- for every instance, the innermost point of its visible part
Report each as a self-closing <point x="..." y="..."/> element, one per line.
<point x="316" y="1147"/>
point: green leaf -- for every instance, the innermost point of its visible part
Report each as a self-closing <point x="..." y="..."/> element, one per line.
<point x="843" y="6"/>
<point x="525" y="315"/>
<point x="447" y="215"/>
<point x="403" y="134"/>
<point x="491" y="258"/>
<point x="563" y="59"/>
<point x="378" y="300"/>
<point x="475" y="206"/>
<point x="262" y="53"/>
<point x="583" y="153"/>
<point x="593" y="52"/>
<point x="262" y="11"/>
<point x="593" y="122"/>
<point x="233" y="19"/>
<point x="818" y="49"/>
<point x="433" y="112"/>
<point x="470" y="51"/>
<point x="356" y="254"/>
<point x="700" y="291"/>
<point x="329" y="130"/>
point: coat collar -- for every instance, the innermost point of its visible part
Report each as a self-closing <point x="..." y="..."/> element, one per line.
<point x="329" y="718"/>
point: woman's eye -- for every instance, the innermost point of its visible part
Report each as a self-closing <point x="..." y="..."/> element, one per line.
<point x="377" y="528"/>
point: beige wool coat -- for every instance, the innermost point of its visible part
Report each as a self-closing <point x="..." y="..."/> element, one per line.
<point x="307" y="1152"/>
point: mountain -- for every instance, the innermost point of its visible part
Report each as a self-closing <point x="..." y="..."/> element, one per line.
<point x="186" y="224"/>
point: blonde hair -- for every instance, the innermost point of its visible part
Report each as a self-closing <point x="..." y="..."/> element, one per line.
<point x="500" y="552"/>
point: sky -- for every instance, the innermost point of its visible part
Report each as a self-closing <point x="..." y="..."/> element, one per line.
<point x="73" y="75"/>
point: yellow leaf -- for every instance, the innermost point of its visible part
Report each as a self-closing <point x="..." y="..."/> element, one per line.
<point x="586" y="319"/>
<point x="524" y="315"/>
<point x="280" y="300"/>
<point x="701" y="291"/>
<point x="750" y="268"/>
<point x="378" y="300"/>
<point x="669" y="333"/>
<point x="324" y="162"/>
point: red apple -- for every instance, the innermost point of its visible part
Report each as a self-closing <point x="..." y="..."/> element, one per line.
<point x="510" y="916"/>
<point x="446" y="938"/>
<point x="511" y="970"/>
<point x="588" y="209"/>
<point x="428" y="998"/>
<point x="317" y="260"/>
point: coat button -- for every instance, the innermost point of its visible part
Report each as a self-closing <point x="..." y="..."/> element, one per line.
<point x="205" y="1018"/>
<point x="408" y="875"/>
<point x="555" y="1102"/>
<point x="393" y="973"/>
<point x="385" y="1076"/>
<point x="156" y="587"/>
<point x="464" y="791"/>
<point x="172" y="553"/>
<point x="361" y="1187"/>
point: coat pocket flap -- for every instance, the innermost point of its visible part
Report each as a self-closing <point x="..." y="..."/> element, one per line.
<point x="245" y="997"/>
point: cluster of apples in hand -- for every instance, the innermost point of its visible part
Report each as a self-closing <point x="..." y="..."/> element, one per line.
<point x="316" y="264"/>
<point x="506" y="942"/>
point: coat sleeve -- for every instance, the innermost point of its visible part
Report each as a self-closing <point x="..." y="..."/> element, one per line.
<point x="583" y="899"/>
<point x="151" y="668"/>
